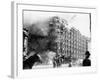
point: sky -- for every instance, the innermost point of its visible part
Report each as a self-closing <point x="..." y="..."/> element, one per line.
<point x="76" y="20"/>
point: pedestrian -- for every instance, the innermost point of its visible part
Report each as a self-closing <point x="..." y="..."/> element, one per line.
<point x="54" y="62"/>
<point x="87" y="61"/>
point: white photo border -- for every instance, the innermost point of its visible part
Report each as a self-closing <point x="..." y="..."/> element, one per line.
<point x="17" y="67"/>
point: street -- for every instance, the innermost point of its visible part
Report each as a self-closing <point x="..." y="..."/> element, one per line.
<point x="51" y="66"/>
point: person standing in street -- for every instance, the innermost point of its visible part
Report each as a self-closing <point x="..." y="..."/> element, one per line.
<point x="87" y="61"/>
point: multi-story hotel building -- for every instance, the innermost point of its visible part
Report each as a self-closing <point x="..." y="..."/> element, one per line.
<point x="70" y="42"/>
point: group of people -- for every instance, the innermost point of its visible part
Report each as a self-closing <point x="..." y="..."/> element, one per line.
<point x="58" y="61"/>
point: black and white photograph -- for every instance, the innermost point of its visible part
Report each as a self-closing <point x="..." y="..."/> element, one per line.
<point x="50" y="40"/>
<point x="56" y="39"/>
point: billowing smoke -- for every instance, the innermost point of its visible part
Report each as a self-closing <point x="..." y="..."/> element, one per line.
<point x="39" y="28"/>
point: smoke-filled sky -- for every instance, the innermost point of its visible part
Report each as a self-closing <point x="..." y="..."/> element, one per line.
<point x="77" y="20"/>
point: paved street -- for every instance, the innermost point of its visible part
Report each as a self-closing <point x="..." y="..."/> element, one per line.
<point x="51" y="66"/>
